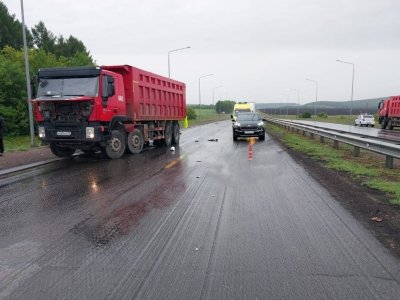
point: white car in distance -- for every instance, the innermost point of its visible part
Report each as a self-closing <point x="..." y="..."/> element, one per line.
<point x="365" y="120"/>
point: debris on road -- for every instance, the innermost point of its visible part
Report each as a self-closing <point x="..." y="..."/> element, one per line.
<point x="213" y="140"/>
<point x="376" y="219"/>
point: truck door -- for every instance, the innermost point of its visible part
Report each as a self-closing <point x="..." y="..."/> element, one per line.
<point x="112" y="95"/>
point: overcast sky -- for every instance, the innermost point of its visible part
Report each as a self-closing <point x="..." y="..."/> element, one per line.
<point x="258" y="50"/>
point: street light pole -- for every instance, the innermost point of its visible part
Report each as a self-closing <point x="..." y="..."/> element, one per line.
<point x="316" y="95"/>
<point x="200" y="90"/>
<point x="298" y="100"/>
<point x="352" y="86"/>
<point x="169" y="52"/>
<point x="28" y="79"/>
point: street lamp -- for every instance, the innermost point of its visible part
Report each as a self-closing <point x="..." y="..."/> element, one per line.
<point x="214" y="88"/>
<point x="169" y="52"/>
<point x="298" y="99"/>
<point x="316" y="95"/>
<point x="28" y="79"/>
<point x="200" y="90"/>
<point x="352" y="85"/>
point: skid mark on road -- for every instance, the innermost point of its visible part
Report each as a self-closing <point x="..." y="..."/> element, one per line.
<point x="207" y="279"/>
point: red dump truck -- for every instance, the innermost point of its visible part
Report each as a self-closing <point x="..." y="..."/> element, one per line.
<point x="389" y="112"/>
<point x="115" y="109"/>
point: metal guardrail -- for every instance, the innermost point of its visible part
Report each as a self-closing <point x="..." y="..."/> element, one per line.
<point x="390" y="150"/>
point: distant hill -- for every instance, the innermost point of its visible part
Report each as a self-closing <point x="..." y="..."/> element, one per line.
<point x="330" y="107"/>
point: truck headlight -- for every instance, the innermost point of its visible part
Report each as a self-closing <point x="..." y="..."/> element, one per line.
<point x="42" y="132"/>
<point x="237" y="124"/>
<point x="89" y="132"/>
<point x="261" y="123"/>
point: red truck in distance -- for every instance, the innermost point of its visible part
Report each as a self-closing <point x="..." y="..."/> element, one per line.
<point x="109" y="108"/>
<point x="389" y="112"/>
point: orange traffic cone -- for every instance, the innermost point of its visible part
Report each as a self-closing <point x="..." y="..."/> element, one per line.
<point x="250" y="151"/>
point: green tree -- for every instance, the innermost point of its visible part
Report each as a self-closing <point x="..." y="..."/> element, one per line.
<point x="70" y="47"/>
<point x="43" y="38"/>
<point x="191" y="114"/>
<point x="11" y="30"/>
<point x="13" y="92"/>
<point x="224" y="106"/>
<point x="50" y="51"/>
<point x="305" y="115"/>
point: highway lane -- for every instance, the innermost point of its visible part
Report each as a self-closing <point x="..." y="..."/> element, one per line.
<point x="374" y="132"/>
<point x="200" y="222"/>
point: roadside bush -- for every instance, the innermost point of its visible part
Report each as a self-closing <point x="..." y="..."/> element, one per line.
<point x="191" y="114"/>
<point x="322" y="115"/>
<point x="305" y="115"/>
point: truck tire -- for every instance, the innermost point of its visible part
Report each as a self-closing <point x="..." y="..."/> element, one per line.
<point x="61" y="151"/>
<point x="115" y="146"/>
<point x="262" y="137"/>
<point x="168" y="134"/>
<point x="389" y="125"/>
<point x="135" y="141"/>
<point x="234" y="137"/>
<point x="176" y="134"/>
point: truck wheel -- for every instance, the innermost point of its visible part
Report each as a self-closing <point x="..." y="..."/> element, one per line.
<point x="115" y="147"/>
<point x="168" y="134"/>
<point x="61" y="151"/>
<point x="389" y="125"/>
<point x="235" y="137"/>
<point x="135" y="141"/>
<point x="176" y="134"/>
<point x="262" y="137"/>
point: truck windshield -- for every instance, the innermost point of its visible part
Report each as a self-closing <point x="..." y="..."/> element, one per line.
<point x="66" y="87"/>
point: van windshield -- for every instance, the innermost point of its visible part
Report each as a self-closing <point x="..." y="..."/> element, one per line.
<point x="248" y="117"/>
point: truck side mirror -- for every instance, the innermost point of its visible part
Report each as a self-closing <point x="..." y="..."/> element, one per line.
<point x="33" y="88"/>
<point x="110" y="86"/>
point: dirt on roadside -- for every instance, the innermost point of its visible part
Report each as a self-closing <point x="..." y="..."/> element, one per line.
<point x="370" y="207"/>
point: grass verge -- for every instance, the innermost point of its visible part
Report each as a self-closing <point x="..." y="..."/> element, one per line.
<point x="367" y="169"/>
<point x="205" y="116"/>
<point x="19" y="143"/>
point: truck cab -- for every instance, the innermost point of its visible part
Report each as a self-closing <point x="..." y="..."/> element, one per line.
<point x="76" y="107"/>
<point x="389" y="112"/>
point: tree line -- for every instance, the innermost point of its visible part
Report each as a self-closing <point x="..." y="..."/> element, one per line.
<point x="45" y="49"/>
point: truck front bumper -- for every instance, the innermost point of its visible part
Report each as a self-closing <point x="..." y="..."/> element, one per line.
<point x="70" y="133"/>
<point x="254" y="132"/>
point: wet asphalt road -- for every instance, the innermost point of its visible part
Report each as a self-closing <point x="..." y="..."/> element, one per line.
<point x="373" y="132"/>
<point x="202" y="222"/>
